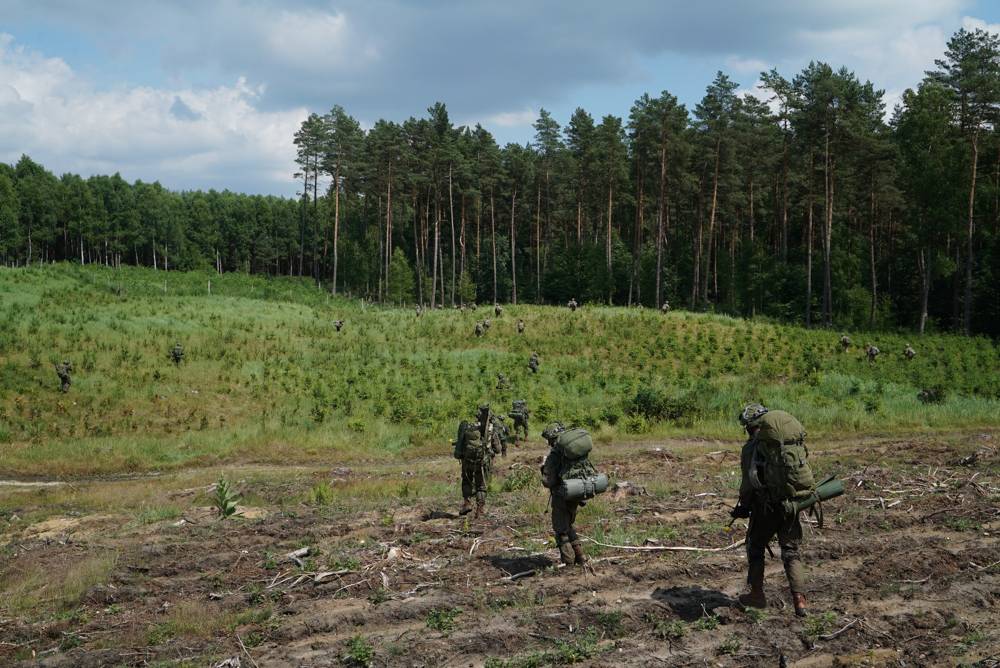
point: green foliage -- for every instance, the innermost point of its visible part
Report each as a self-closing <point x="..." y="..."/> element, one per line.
<point x="706" y="623"/>
<point x="520" y="478"/>
<point x="360" y="653"/>
<point x="819" y="624"/>
<point x="443" y="619"/>
<point x="225" y="499"/>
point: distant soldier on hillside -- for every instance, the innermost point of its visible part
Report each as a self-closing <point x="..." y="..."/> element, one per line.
<point x="486" y="324"/>
<point x="497" y="310"/>
<point x="501" y="434"/>
<point x="502" y="383"/>
<point x="420" y="310"/>
<point x="177" y="354"/>
<point x="519" y="413"/>
<point x="665" y="308"/>
<point x="480" y="329"/>
<point x="533" y="362"/>
<point x="572" y="304"/>
<point x="845" y="342"/>
<point x="872" y="352"/>
<point x="64" y="370"/>
<point x="520" y="326"/>
<point x="908" y="352"/>
<point x="338" y="324"/>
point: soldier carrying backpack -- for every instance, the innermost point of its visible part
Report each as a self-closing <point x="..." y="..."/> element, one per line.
<point x="475" y="447"/>
<point x="519" y="413"/>
<point x="571" y="479"/>
<point x="776" y="485"/>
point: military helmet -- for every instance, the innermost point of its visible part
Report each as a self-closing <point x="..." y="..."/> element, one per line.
<point x="553" y="430"/>
<point x="750" y="413"/>
<point x="484" y="408"/>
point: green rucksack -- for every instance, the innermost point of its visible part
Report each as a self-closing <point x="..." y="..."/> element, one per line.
<point x="574" y="446"/>
<point x="780" y="450"/>
<point x="470" y="445"/>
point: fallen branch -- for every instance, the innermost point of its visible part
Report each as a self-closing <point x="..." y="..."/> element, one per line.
<point x="665" y="548"/>
<point x="244" y="648"/>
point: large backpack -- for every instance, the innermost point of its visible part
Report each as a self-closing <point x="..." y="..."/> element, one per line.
<point x="470" y="445"/>
<point x="519" y="407"/>
<point x="780" y="448"/>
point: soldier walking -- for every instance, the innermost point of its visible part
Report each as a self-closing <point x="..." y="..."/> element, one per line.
<point x="475" y="447"/>
<point x="337" y="324"/>
<point x="845" y="342"/>
<point x="479" y="329"/>
<point x="872" y="352"/>
<point x="63" y="370"/>
<point x="566" y="461"/>
<point x="533" y="362"/>
<point x="665" y="308"/>
<point x="572" y="304"/>
<point x="767" y="480"/>
<point x="497" y="310"/>
<point x="177" y="354"/>
<point x="519" y="413"/>
<point x="520" y="326"/>
<point x="909" y="353"/>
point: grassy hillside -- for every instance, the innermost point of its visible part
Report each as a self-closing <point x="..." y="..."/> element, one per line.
<point x="266" y="378"/>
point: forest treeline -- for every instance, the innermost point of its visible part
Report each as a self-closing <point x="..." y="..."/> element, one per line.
<point x="811" y="206"/>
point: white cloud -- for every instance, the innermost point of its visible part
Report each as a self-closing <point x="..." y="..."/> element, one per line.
<point x="512" y="119"/>
<point x="746" y="65"/>
<point x="51" y="113"/>
<point x="972" y="23"/>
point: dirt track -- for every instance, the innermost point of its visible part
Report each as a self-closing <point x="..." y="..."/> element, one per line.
<point x="907" y="569"/>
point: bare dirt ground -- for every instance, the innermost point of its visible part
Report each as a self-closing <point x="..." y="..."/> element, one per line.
<point x="906" y="570"/>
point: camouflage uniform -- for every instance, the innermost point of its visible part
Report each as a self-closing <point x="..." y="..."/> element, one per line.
<point x="533" y="363"/>
<point x="419" y="309"/>
<point x="845" y="342"/>
<point x="500" y="434"/>
<point x="520" y="327"/>
<point x="64" y="370"/>
<point x="563" y="510"/>
<point x="475" y="448"/>
<point x="872" y="352"/>
<point x="486" y="323"/>
<point x="502" y="383"/>
<point x="666" y="307"/>
<point x="572" y="304"/>
<point x="497" y="310"/>
<point x="908" y="352"/>
<point x="519" y="412"/>
<point x="767" y="518"/>
<point x="338" y="324"/>
<point x="177" y="354"/>
<point x="479" y="329"/>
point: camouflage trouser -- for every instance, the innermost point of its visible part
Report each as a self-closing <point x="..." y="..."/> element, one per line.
<point x="563" y="518"/>
<point x="520" y="421"/>
<point x="765" y="522"/>
<point x="475" y="479"/>
<point x="64" y="383"/>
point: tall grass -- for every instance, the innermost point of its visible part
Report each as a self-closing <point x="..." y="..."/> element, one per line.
<point x="267" y="379"/>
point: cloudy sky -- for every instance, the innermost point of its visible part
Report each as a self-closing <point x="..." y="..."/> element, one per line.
<point x="207" y="93"/>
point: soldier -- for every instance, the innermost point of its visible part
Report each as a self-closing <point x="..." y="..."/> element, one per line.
<point x="872" y="352"/>
<point x="845" y="342"/>
<point x="419" y="309"/>
<point x="520" y="326"/>
<point x="473" y="306"/>
<point x="177" y="354"/>
<point x="572" y="304"/>
<point x="501" y="434"/>
<point x="665" y="308"/>
<point x="909" y="353"/>
<point x="475" y="448"/>
<point x="337" y="324"/>
<point x="64" y="370"/>
<point x="479" y="329"/>
<point x="557" y="467"/>
<point x="502" y="383"/>
<point x="486" y="324"/>
<point x="762" y="488"/>
<point x="497" y="310"/>
<point x="533" y="362"/>
<point x="519" y="412"/>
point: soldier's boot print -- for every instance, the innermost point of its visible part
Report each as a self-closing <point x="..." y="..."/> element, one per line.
<point x="799" y="601"/>
<point x="466" y="507"/>
<point x="580" y="557"/>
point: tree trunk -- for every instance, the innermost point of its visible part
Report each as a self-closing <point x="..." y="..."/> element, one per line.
<point x="970" y="250"/>
<point x="416" y="253"/>
<point x="809" y="246"/>
<point x="493" y="243"/>
<point x="696" y="278"/>
<point x="711" y="219"/>
<point x="388" y="227"/>
<point x="828" y="237"/>
<point x="336" y="225"/>
<point x="513" y="257"/>
<point x="924" y="264"/>
<point x="538" y="245"/>
<point x="611" y="282"/>
<point x="451" y="216"/>
<point x="437" y="237"/>
<point x="659" y="220"/>
<point x="871" y="257"/>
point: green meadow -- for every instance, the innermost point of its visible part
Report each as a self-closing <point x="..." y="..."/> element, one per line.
<point x="267" y="379"/>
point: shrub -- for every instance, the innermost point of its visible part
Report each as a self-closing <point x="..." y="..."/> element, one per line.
<point x="225" y="499"/>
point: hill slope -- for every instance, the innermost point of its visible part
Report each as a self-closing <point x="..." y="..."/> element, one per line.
<point x="267" y="378"/>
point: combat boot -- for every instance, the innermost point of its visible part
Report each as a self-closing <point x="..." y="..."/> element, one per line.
<point x="480" y="509"/>
<point x="580" y="557"/>
<point x="799" y="601"/>
<point x="755" y="578"/>
<point x="567" y="554"/>
<point x="466" y="507"/>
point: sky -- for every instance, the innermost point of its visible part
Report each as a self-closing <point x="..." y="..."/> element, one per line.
<point x="200" y="94"/>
